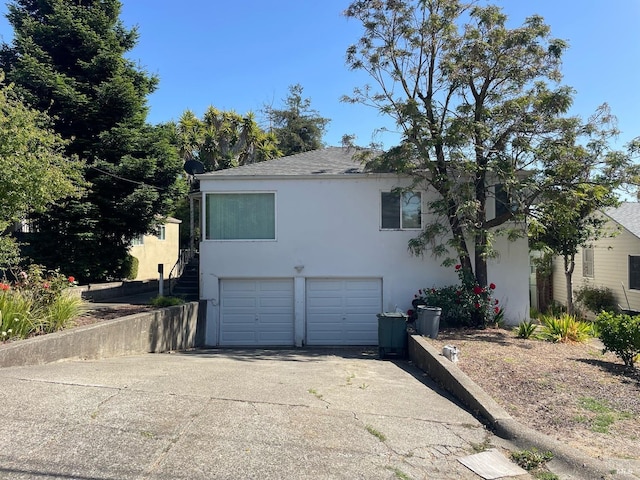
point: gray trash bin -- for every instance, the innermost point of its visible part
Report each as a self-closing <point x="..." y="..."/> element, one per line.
<point x="428" y="322"/>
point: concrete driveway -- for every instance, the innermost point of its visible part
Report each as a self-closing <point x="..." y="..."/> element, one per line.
<point x="233" y="414"/>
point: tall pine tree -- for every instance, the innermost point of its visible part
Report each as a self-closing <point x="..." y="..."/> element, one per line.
<point x="68" y="58"/>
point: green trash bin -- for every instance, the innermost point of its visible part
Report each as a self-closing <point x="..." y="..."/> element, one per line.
<point x="392" y="334"/>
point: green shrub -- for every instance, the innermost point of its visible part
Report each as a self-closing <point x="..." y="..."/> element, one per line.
<point x="565" y="328"/>
<point x="161" y="301"/>
<point x="526" y="329"/>
<point x="597" y="299"/>
<point x="130" y="267"/>
<point x="620" y="334"/>
<point x="463" y="305"/>
<point x="531" y="460"/>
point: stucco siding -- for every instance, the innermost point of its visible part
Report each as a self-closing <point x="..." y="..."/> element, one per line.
<point x="331" y="228"/>
<point x="154" y="251"/>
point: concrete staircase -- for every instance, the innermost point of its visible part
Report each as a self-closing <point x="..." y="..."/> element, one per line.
<point x="187" y="285"/>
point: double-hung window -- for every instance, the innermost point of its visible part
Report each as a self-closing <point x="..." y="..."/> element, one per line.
<point x="587" y="261"/>
<point x="401" y="211"/>
<point x="161" y="232"/>
<point x="241" y="216"/>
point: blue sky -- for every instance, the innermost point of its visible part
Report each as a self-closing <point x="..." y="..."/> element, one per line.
<point x="244" y="54"/>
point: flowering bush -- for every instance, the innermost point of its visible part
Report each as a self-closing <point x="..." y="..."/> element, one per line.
<point x="464" y="305"/>
<point x="36" y="302"/>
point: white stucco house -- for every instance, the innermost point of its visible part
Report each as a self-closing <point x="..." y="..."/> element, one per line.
<point x="307" y="249"/>
<point x="612" y="261"/>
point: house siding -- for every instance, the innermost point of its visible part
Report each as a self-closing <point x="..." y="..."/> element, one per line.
<point x="611" y="268"/>
<point x="154" y="251"/>
<point x="330" y="228"/>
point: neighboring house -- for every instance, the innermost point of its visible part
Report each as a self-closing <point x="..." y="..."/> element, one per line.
<point x="307" y="249"/>
<point x="163" y="247"/>
<point x="612" y="261"/>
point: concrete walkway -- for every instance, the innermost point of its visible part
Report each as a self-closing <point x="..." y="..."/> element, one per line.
<point x="233" y="414"/>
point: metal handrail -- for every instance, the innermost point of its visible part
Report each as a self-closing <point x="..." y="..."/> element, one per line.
<point x="184" y="257"/>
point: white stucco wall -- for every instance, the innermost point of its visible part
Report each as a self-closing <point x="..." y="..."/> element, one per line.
<point x="331" y="227"/>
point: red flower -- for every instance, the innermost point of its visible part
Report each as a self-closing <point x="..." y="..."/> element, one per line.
<point x="45" y="285"/>
<point x="497" y="310"/>
<point x="477" y="305"/>
<point x="497" y="302"/>
<point x="492" y="286"/>
<point x="433" y="290"/>
<point x="478" y="290"/>
<point x="458" y="267"/>
<point x="72" y="279"/>
<point x="4" y="287"/>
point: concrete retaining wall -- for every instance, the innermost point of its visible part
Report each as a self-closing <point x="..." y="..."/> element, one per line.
<point x="173" y="328"/>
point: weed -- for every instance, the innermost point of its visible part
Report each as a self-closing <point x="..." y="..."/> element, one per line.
<point x="161" y="301"/>
<point x="364" y="386"/>
<point x="605" y="415"/>
<point x="400" y="475"/>
<point x="350" y="378"/>
<point x="481" y="447"/>
<point x="531" y="459"/>
<point x="315" y="393"/>
<point x="379" y="435"/>
<point x="546" y="476"/>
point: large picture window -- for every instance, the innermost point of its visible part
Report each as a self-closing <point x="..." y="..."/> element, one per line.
<point x="240" y="216"/>
<point x="634" y="272"/>
<point x="401" y="210"/>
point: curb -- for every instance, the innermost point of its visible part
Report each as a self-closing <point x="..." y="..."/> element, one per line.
<point x="567" y="461"/>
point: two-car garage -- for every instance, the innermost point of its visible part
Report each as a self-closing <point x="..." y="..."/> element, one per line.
<point x="337" y="311"/>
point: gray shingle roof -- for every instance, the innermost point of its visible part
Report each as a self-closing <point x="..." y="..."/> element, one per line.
<point x="627" y="215"/>
<point x="326" y="161"/>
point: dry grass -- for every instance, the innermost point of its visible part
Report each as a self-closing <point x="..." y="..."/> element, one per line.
<point x="570" y="391"/>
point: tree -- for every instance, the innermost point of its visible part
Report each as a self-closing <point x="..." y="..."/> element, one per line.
<point x="68" y="59"/>
<point x="224" y="139"/>
<point x="297" y="127"/>
<point x="475" y="101"/>
<point x="34" y="172"/>
<point x="582" y="178"/>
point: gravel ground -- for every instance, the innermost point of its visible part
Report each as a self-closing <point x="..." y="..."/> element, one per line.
<point x="570" y="391"/>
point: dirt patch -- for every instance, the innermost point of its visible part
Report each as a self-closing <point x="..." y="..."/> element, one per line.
<point x="109" y="313"/>
<point x="570" y="391"/>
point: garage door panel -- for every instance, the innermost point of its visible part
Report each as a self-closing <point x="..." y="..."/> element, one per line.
<point x="256" y="312"/>
<point x="343" y="311"/>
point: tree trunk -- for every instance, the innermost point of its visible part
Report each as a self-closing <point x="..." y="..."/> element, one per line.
<point x="569" y="265"/>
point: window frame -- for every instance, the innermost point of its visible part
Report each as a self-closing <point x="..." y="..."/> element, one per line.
<point x="205" y="212"/>
<point x="161" y="232"/>
<point x="137" y="241"/>
<point x="634" y="284"/>
<point x="400" y="212"/>
<point x="588" y="264"/>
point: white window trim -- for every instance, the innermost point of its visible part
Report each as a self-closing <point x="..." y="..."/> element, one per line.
<point x="161" y="232"/>
<point x="240" y="192"/>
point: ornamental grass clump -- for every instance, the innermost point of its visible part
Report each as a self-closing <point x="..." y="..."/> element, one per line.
<point x="466" y="304"/>
<point x="37" y="302"/>
<point x="565" y="328"/>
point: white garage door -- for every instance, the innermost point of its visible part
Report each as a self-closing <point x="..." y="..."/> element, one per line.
<point x="343" y="311"/>
<point x="256" y="312"/>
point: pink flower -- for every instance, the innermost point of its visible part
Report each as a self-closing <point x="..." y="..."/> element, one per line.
<point x="492" y="286"/>
<point x="45" y="285"/>
<point x="497" y="309"/>
<point x="496" y="302"/>
<point x="458" y="267"/>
